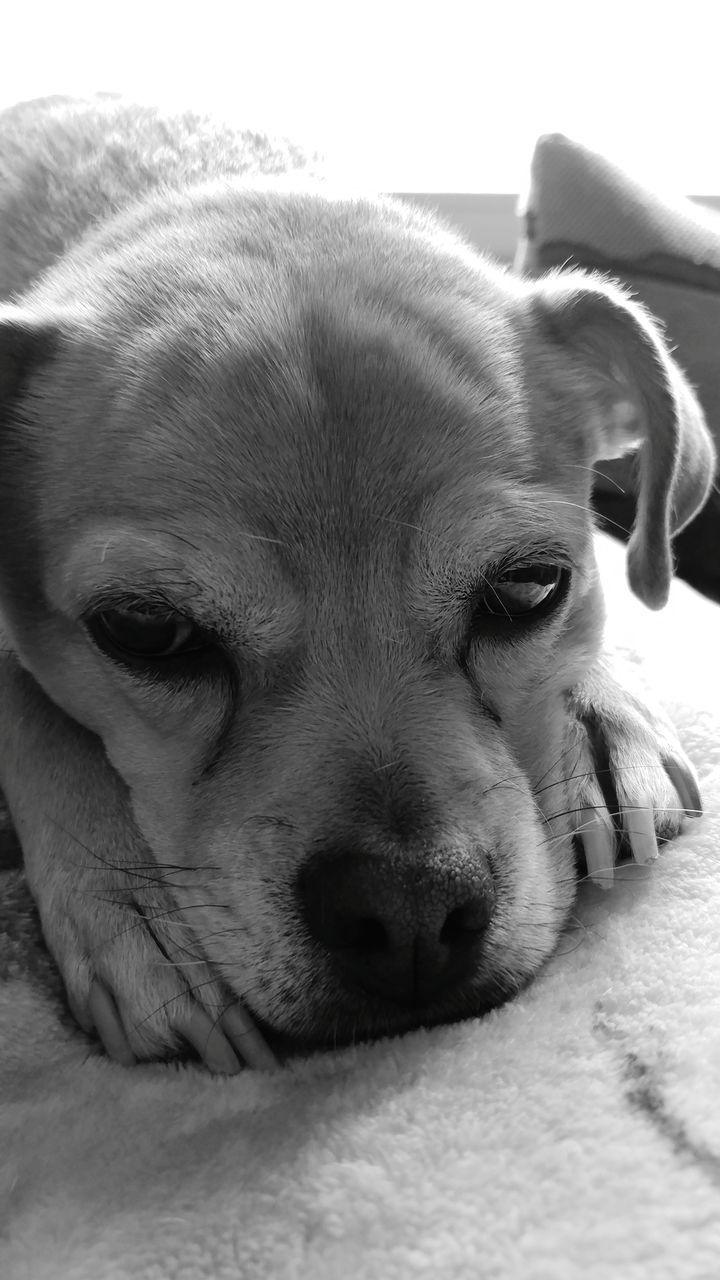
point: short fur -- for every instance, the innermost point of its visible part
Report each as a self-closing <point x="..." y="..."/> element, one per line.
<point x="317" y="425"/>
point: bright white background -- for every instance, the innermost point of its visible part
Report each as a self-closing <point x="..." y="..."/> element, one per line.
<point x="423" y="97"/>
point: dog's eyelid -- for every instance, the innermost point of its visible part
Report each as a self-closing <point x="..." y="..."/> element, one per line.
<point x="154" y="602"/>
<point x="506" y="566"/>
<point x="545" y="555"/>
<point x="509" y="603"/>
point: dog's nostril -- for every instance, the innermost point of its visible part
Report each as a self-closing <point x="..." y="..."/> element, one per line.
<point x="364" y="933"/>
<point x="468" y="921"/>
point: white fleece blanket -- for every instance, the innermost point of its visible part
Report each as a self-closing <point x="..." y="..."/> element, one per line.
<point x="573" y="1133"/>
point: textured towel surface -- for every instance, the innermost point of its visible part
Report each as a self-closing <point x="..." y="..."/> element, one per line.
<point x="574" y="1133"/>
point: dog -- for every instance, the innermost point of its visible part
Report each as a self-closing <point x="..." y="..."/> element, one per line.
<point x="306" y="712"/>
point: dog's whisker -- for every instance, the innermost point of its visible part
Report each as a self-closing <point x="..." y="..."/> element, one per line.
<point x="147" y="873"/>
<point x="555" y="765"/>
<point x="123" y="866"/>
<point x="134" y="882"/>
<point x="515" y="782"/>
<point x="432" y="535"/>
<point x="612" y="772"/>
<point x="596" y="471"/>
<point x="230" y="932"/>
<point x="143" y="919"/>
<point x="215" y="1023"/>
<point x="569" y="943"/>
<point x="613" y="524"/>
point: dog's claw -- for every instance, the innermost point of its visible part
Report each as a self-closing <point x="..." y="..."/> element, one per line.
<point x="108" y="1025"/>
<point x="685" y="785"/>
<point x="247" y="1040"/>
<point x="631" y="782"/>
<point x="223" y="1045"/>
<point x="597" y="835"/>
<point x="638" y="822"/>
<point x="207" y="1038"/>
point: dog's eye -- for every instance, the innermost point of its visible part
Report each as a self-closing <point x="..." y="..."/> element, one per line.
<point x="521" y="590"/>
<point x="143" y="634"/>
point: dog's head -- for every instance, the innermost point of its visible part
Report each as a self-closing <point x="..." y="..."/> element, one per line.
<point x="295" y="518"/>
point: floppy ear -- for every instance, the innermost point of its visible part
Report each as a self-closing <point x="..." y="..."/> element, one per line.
<point x="26" y="344"/>
<point x="639" y="399"/>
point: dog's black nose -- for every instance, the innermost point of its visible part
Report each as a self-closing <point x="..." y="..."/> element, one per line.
<point x="405" y="929"/>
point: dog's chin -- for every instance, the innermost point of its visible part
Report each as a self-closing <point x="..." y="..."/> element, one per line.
<point x="366" y="1020"/>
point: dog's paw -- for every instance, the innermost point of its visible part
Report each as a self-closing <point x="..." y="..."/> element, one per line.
<point x="134" y="974"/>
<point x="115" y="919"/>
<point x="631" y="782"/>
<point x="133" y="970"/>
<point x="147" y="991"/>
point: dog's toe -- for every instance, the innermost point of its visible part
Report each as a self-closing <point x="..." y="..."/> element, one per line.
<point x="104" y="1018"/>
<point x="631" y="783"/>
<point x="133" y="981"/>
<point x="157" y="1005"/>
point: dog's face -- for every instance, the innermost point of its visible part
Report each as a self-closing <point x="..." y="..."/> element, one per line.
<point x="304" y="492"/>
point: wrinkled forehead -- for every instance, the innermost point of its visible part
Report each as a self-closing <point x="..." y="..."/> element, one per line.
<point x="330" y="451"/>
<point x="306" y="417"/>
<point x="319" y="387"/>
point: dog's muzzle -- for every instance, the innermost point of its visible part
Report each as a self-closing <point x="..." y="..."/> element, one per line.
<point x="406" y="929"/>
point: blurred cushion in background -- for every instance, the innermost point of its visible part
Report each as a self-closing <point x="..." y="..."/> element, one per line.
<point x="584" y="211"/>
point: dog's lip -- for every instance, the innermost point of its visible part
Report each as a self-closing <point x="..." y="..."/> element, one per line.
<point x="378" y="1019"/>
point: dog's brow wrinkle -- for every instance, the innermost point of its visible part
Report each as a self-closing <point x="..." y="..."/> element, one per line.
<point x="271" y="820"/>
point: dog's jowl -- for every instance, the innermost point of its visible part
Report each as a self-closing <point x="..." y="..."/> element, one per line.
<point x="305" y="705"/>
